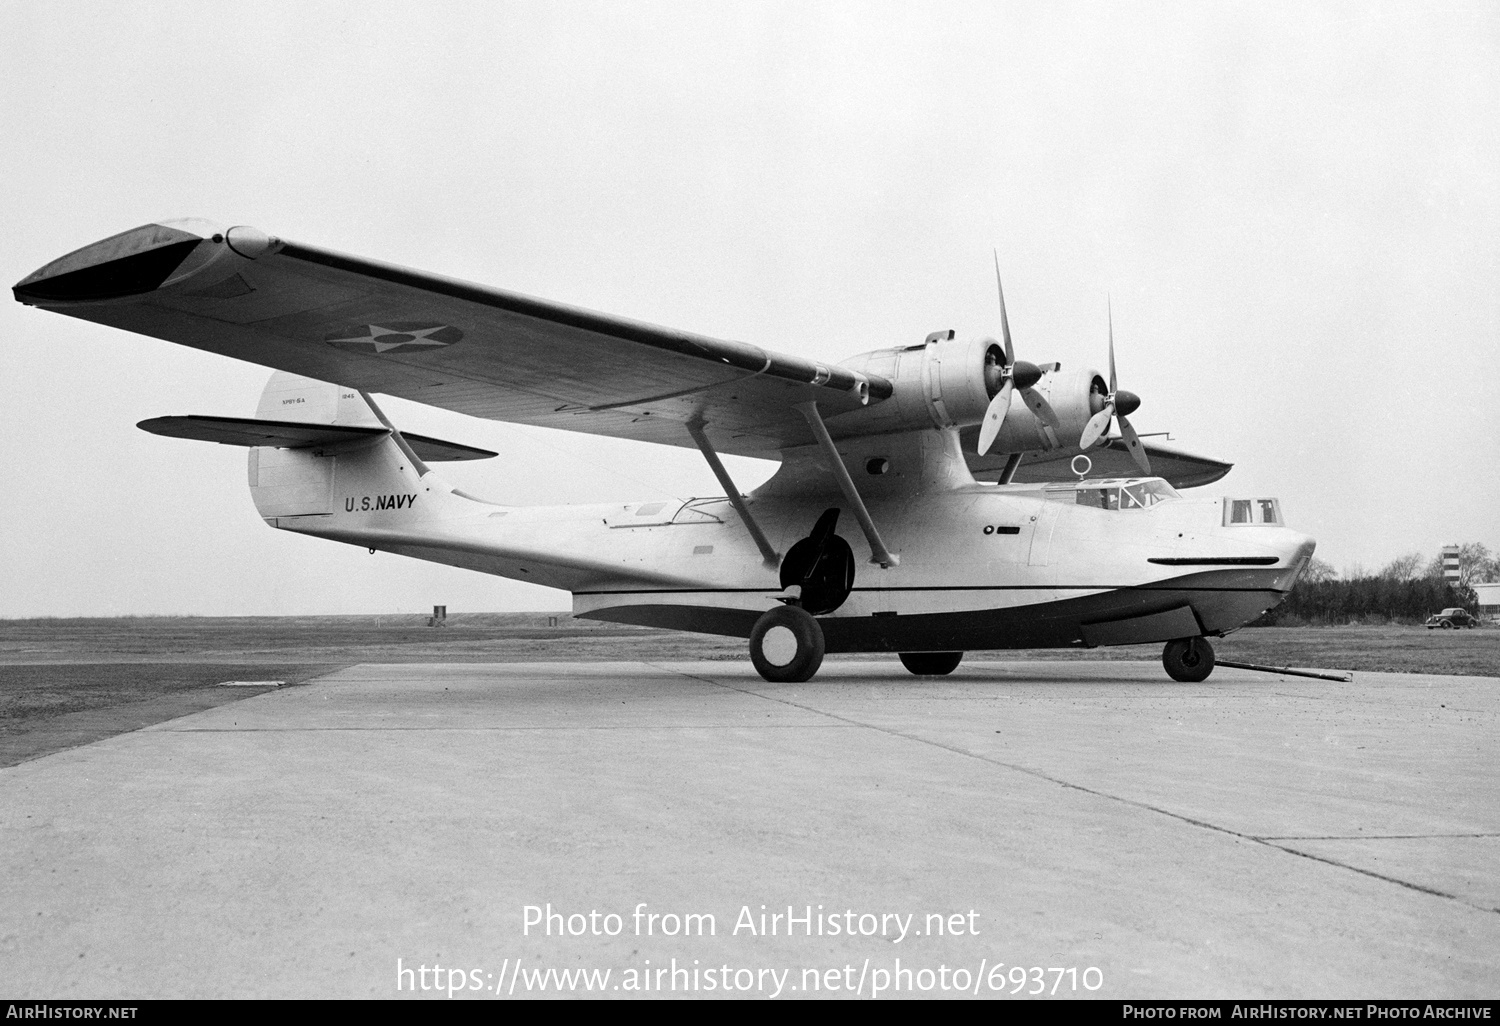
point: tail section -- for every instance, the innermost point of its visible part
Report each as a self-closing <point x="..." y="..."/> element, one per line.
<point x="378" y="472"/>
<point x="318" y="449"/>
<point x="325" y="461"/>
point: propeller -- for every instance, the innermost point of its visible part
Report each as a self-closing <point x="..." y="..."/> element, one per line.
<point x="1118" y="404"/>
<point x="1014" y="375"/>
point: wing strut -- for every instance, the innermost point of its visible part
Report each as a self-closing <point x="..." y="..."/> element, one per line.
<point x="1011" y="466"/>
<point x="769" y="556"/>
<point x="878" y="552"/>
<point x="406" y="450"/>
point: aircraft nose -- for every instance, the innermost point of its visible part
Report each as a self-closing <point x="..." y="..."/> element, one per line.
<point x="1299" y="549"/>
<point x="128" y="264"/>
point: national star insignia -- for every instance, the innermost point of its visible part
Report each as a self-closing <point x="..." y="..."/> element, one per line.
<point x="384" y="337"/>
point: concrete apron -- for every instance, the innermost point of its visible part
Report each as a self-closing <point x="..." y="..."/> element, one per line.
<point x="1251" y="836"/>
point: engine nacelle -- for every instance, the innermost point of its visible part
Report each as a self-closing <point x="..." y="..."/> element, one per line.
<point x="947" y="383"/>
<point x="1075" y="396"/>
<point x="941" y="383"/>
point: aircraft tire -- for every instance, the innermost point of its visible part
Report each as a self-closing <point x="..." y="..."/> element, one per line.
<point x="1188" y="660"/>
<point x="786" y="645"/>
<point x="931" y="664"/>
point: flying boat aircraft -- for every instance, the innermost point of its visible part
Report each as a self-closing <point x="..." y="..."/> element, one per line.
<point x="933" y="498"/>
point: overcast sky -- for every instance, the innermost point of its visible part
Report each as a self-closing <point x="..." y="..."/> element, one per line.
<point x="1293" y="205"/>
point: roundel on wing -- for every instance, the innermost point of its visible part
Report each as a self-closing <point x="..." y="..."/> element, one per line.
<point x="391" y="336"/>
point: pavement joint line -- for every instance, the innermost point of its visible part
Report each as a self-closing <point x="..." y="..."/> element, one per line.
<point x="1371" y="873"/>
<point x="482" y="730"/>
<point x="1373" y="837"/>
<point x="1264" y="842"/>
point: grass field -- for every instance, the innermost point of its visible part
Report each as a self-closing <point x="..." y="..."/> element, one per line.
<point x="523" y="637"/>
<point x="68" y="682"/>
<point x="47" y="707"/>
<point x="32" y="691"/>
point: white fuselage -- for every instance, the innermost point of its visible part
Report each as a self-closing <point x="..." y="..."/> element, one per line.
<point x="980" y="565"/>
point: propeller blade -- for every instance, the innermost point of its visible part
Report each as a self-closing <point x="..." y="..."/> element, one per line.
<point x="1010" y="353"/>
<point x="1042" y="408"/>
<point x="1133" y="443"/>
<point x="1111" y="310"/>
<point x="1097" y="425"/>
<point x="994" y="417"/>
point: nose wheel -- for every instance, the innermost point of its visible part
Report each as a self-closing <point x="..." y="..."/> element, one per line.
<point x="786" y="645"/>
<point x="1189" y="660"/>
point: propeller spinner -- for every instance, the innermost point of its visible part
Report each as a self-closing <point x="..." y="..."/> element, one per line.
<point x="1118" y="404"/>
<point x="1014" y="375"/>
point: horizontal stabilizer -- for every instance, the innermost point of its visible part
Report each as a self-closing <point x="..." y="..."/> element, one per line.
<point x="282" y="434"/>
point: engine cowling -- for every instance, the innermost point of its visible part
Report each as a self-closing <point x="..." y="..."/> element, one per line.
<point x="1075" y="395"/>
<point x="948" y="383"/>
<point x="941" y="383"/>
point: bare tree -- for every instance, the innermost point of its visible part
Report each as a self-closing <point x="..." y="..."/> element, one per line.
<point x="1490" y="571"/>
<point x="1404" y="568"/>
<point x="1475" y="564"/>
<point x="1318" y="571"/>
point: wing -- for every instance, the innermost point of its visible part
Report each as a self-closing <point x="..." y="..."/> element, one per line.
<point x="448" y="343"/>
<point x="1111" y="459"/>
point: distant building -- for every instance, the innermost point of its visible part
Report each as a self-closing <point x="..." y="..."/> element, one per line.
<point x="1450" y="564"/>
<point x="1489" y="598"/>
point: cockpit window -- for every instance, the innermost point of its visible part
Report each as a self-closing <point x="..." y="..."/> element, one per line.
<point x="1099" y="498"/>
<point x="1125" y="495"/>
<point x="1252" y="511"/>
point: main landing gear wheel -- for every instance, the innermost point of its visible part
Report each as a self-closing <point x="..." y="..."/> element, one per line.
<point x="931" y="664"/>
<point x="786" y="645"/>
<point x="1189" y="660"/>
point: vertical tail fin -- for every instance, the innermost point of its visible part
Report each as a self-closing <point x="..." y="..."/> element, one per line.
<point x="291" y="397"/>
<point x="377" y="469"/>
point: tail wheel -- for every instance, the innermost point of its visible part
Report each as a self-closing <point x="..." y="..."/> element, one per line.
<point x="1189" y="660"/>
<point x="786" y="645"/>
<point x="931" y="664"/>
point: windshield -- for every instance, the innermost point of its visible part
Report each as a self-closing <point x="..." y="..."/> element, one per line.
<point x="1127" y="495"/>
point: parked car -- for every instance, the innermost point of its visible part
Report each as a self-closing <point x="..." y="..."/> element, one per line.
<point x="1450" y="618"/>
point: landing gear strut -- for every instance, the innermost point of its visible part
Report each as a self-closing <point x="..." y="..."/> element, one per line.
<point x="931" y="664"/>
<point x="786" y="643"/>
<point x="1189" y="660"/>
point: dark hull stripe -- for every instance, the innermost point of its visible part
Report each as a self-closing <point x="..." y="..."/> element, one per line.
<point x="1215" y="560"/>
<point x="1163" y="586"/>
<point x="1058" y="623"/>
